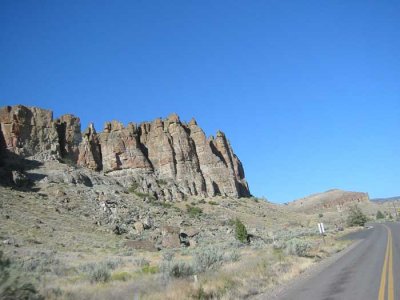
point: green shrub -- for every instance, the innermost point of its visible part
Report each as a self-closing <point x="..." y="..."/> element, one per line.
<point x="161" y="182"/>
<point x="177" y="269"/>
<point x="202" y="201"/>
<point x="13" y="288"/>
<point x="121" y="276"/>
<point x="356" y="217"/>
<point x="240" y="231"/>
<point x="194" y="211"/>
<point x="96" y="272"/>
<point x="212" y="203"/>
<point x="379" y="215"/>
<point x="133" y="187"/>
<point x="207" y="258"/>
<point x="150" y="269"/>
<point x="297" y="247"/>
<point x="166" y="204"/>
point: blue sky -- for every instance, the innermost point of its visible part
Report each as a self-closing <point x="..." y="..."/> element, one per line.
<point x="308" y="92"/>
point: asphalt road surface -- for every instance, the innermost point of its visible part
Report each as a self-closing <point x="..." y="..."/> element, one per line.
<point x="371" y="270"/>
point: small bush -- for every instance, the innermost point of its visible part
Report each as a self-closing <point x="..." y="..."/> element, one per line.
<point x="379" y="215"/>
<point x="145" y="195"/>
<point x="161" y="182"/>
<point x="241" y="231"/>
<point x="177" y="269"/>
<point x="166" y="204"/>
<point x="100" y="273"/>
<point x="13" y="288"/>
<point x="194" y="211"/>
<point x="150" y="269"/>
<point x="133" y="187"/>
<point x="234" y="255"/>
<point x="141" y="262"/>
<point x="202" y="201"/>
<point x="121" y="276"/>
<point x="207" y="258"/>
<point x="168" y="256"/>
<point x="112" y="264"/>
<point x="356" y="217"/>
<point x="212" y="203"/>
<point x="297" y="247"/>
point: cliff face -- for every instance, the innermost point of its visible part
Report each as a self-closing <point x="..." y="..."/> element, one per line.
<point x="165" y="158"/>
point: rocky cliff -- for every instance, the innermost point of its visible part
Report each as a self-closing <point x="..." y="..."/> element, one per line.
<point x="165" y="159"/>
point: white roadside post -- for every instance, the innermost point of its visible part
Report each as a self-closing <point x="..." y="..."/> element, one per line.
<point x="321" y="231"/>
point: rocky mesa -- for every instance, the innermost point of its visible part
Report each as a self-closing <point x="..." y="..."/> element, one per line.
<point x="335" y="198"/>
<point x="166" y="158"/>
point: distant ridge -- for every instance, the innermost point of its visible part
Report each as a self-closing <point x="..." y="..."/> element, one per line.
<point x="397" y="198"/>
<point x="330" y="199"/>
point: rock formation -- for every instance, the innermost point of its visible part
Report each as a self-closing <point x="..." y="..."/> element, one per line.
<point x="166" y="159"/>
<point x="29" y="131"/>
<point x="334" y="198"/>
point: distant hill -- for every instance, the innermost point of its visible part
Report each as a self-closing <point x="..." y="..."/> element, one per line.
<point x="390" y="199"/>
<point x="334" y="198"/>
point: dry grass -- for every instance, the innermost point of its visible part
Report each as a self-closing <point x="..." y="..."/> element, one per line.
<point x="74" y="240"/>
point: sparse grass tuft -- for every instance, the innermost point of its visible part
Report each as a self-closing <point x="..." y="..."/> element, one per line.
<point x="161" y="182"/>
<point x="133" y="187"/>
<point x="194" y="211"/>
<point x="121" y="276"/>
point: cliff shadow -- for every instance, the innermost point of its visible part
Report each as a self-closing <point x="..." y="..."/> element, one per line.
<point x="13" y="168"/>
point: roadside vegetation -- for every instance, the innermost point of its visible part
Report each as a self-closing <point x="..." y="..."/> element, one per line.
<point x="356" y="217"/>
<point x="239" y="248"/>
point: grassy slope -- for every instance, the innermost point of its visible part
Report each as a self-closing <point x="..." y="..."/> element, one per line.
<point x="56" y="241"/>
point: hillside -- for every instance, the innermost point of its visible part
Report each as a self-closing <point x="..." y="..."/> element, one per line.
<point x="335" y="198"/>
<point x="153" y="210"/>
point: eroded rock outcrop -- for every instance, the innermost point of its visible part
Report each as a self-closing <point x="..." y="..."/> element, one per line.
<point x="69" y="136"/>
<point x="89" y="150"/>
<point x="121" y="148"/>
<point x="164" y="159"/>
<point x="29" y="131"/>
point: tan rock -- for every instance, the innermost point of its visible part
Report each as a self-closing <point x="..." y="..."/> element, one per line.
<point x="139" y="227"/>
<point x="89" y="150"/>
<point x="170" y="241"/>
<point x="167" y="158"/>
<point x="121" y="149"/>
<point x="28" y="131"/>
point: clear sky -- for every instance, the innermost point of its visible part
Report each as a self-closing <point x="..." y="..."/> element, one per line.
<point x="308" y="92"/>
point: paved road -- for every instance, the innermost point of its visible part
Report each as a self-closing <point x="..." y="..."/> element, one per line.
<point x="371" y="270"/>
